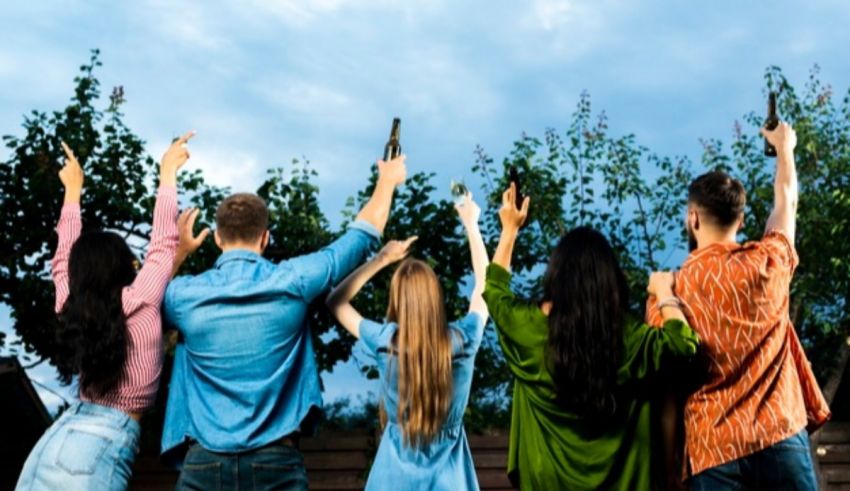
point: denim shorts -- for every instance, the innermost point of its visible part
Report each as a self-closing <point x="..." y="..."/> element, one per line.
<point x="90" y="447"/>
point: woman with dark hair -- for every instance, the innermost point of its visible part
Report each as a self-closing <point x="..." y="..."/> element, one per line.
<point x="584" y="367"/>
<point x="425" y="365"/>
<point x="109" y="337"/>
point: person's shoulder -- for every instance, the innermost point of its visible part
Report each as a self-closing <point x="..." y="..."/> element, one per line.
<point x="376" y="333"/>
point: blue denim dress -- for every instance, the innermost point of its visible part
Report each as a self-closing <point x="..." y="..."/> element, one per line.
<point x="445" y="463"/>
<point x="89" y="447"/>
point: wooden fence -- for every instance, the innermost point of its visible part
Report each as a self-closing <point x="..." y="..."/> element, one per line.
<point x="833" y="453"/>
<point x="341" y="463"/>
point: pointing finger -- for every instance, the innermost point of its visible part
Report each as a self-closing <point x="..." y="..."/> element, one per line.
<point x="185" y="138"/>
<point x="68" y="152"/>
<point x="410" y="241"/>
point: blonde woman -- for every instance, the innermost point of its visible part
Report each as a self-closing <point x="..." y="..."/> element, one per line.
<point x="425" y="365"/>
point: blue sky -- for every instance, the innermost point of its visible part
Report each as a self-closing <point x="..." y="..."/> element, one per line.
<point x="265" y="81"/>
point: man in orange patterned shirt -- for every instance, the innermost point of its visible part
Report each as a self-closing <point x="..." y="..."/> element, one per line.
<point x="745" y="427"/>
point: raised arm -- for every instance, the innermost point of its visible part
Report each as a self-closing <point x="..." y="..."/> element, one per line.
<point x="784" y="214"/>
<point x="339" y="300"/>
<point x="469" y="213"/>
<point x="321" y="270"/>
<point x="69" y="226"/>
<point x="512" y="219"/>
<point x="390" y="175"/>
<point x="149" y="285"/>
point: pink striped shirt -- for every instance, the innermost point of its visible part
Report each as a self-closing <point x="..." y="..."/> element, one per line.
<point x="141" y="301"/>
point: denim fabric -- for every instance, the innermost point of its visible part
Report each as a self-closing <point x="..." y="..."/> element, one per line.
<point x="275" y="467"/>
<point x="90" y="447"/>
<point x="245" y="372"/>
<point x="445" y="463"/>
<point x="786" y="465"/>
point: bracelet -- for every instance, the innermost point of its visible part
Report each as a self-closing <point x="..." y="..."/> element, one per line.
<point x="670" y="302"/>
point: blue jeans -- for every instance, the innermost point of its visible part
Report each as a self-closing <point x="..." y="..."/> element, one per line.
<point x="89" y="447"/>
<point x="786" y="465"/>
<point x="274" y="467"/>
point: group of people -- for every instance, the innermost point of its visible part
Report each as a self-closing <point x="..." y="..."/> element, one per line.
<point x="598" y="393"/>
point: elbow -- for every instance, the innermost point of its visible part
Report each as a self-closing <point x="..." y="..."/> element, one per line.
<point x="332" y="301"/>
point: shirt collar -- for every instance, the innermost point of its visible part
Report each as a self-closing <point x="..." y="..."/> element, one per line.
<point x="711" y="250"/>
<point x="237" y="255"/>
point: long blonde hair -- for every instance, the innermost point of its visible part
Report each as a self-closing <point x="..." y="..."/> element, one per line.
<point x="423" y="351"/>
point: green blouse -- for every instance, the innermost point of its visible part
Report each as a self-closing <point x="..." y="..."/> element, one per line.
<point x="552" y="448"/>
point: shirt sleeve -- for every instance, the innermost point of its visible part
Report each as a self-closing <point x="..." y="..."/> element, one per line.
<point x="472" y="329"/>
<point x="780" y="253"/>
<point x="518" y="325"/>
<point x="647" y="347"/>
<point x="170" y="303"/>
<point x="319" y="271"/>
<point x="69" y="228"/>
<point x="149" y="285"/>
<point x="653" y="313"/>
<point x="374" y="335"/>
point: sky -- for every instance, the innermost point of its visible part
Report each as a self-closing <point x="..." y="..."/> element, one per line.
<point x="263" y="82"/>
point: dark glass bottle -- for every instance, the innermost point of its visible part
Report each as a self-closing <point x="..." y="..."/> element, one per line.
<point x="770" y="123"/>
<point x="393" y="148"/>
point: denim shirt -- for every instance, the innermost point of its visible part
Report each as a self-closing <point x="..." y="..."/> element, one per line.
<point x="245" y="373"/>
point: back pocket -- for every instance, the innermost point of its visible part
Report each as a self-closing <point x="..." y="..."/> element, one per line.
<point x="81" y="451"/>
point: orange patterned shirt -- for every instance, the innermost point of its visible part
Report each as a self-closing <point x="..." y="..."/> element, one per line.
<point x="760" y="387"/>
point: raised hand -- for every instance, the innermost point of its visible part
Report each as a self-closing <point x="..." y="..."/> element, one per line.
<point x="468" y="211"/>
<point x="173" y="159"/>
<point x="661" y="284"/>
<point x="783" y="137"/>
<point x="511" y="217"/>
<point x="71" y="175"/>
<point x="396" y="250"/>
<point x="189" y="242"/>
<point x="394" y="171"/>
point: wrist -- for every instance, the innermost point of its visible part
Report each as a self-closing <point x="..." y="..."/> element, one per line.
<point x="385" y="182"/>
<point x="784" y="151"/>
<point x="664" y="295"/>
<point x="510" y="231"/>
<point x="381" y="260"/>
<point x="167" y="177"/>
<point x="72" y="196"/>
<point x="472" y="227"/>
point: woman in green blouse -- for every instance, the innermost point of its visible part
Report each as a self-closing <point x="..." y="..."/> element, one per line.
<point x="584" y="368"/>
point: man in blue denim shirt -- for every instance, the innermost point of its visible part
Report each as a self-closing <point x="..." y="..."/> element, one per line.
<point x="245" y="380"/>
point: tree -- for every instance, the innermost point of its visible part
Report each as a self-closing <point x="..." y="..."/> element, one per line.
<point x="637" y="199"/>
<point x="581" y="176"/>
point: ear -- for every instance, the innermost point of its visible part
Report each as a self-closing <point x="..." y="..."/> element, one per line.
<point x="264" y="242"/>
<point x="217" y="239"/>
<point x="693" y="218"/>
<point x="740" y="223"/>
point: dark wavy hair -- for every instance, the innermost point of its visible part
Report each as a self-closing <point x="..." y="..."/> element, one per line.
<point x="92" y="334"/>
<point x="589" y="298"/>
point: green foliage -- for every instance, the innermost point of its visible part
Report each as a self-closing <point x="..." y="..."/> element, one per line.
<point x="583" y="175"/>
<point x="588" y="177"/>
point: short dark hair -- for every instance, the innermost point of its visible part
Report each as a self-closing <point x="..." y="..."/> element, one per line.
<point x="241" y="217"/>
<point x="721" y="197"/>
